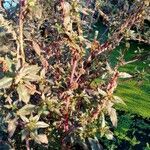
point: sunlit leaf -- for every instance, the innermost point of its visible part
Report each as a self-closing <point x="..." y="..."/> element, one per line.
<point x="124" y="75"/>
<point x="35" y="118"/>
<point x="9" y="63"/>
<point x="43" y="138"/>
<point x="109" y="135"/>
<point x="103" y="120"/>
<point x="30" y="69"/>
<point x="32" y="77"/>
<point x="36" y="47"/>
<point x="118" y="100"/>
<point x="41" y="124"/>
<point x="5" y="82"/>
<point x="12" y="124"/>
<point x="23" y="93"/>
<point x="28" y="72"/>
<point x="24" y="134"/>
<point x="24" y="119"/>
<point x="26" y="110"/>
<point x="101" y="92"/>
<point x="113" y="117"/>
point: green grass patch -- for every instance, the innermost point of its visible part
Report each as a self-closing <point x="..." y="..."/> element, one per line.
<point x="134" y="92"/>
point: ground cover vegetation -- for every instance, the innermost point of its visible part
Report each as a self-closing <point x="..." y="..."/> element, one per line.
<point x="59" y="73"/>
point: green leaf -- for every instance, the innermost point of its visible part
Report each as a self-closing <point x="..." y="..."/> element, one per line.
<point x="26" y="110"/>
<point x="41" y="124"/>
<point x="23" y="93"/>
<point x="5" y="82"/>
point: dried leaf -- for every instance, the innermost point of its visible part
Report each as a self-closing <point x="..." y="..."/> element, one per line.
<point x="36" y="48"/>
<point x="31" y="88"/>
<point x="44" y="63"/>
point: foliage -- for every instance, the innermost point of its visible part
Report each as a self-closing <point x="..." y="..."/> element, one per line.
<point x="48" y="68"/>
<point x="130" y="133"/>
<point x="136" y="89"/>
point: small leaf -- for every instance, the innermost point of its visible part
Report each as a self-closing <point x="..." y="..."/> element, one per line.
<point x="26" y="110"/>
<point x="118" y="100"/>
<point x="23" y="93"/>
<point x="41" y="124"/>
<point x="32" y="78"/>
<point x="31" y="3"/>
<point x="24" y="119"/>
<point x="101" y="92"/>
<point x="109" y="135"/>
<point x="103" y="120"/>
<point x="35" y="118"/>
<point x="24" y="134"/>
<point x="67" y="19"/>
<point x="84" y="11"/>
<point x="36" y="48"/>
<point x="30" y="69"/>
<point x="113" y="117"/>
<point x="12" y="124"/>
<point x="43" y="138"/>
<point x="94" y="144"/>
<point x="9" y="63"/>
<point x="5" y="82"/>
<point x="124" y="75"/>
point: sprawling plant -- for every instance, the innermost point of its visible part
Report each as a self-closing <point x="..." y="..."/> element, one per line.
<point x="57" y="86"/>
